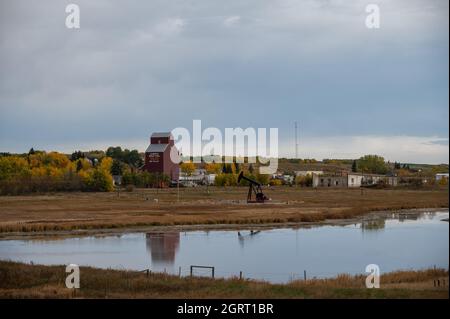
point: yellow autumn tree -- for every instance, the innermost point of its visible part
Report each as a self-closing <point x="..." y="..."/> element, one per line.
<point x="51" y="164"/>
<point x="13" y="166"/>
<point x="106" y="164"/>
<point x="188" y="168"/>
<point x="57" y="160"/>
<point x="53" y="171"/>
<point x="213" y="168"/>
<point x="99" y="178"/>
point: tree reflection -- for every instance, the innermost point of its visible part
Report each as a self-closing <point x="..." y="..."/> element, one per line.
<point x="374" y="224"/>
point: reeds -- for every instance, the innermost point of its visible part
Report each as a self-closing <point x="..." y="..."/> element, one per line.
<point x="18" y="280"/>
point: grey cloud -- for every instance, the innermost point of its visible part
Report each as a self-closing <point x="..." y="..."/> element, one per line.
<point x="136" y="67"/>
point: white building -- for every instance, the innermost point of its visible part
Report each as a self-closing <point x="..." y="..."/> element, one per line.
<point x="210" y="179"/>
<point x="329" y="180"/>
<point x="306" y="173"/>
<point x="354" y="180"/>
<point x="358" y="179"/>
<point x="351" y="180"/>
<point x="198" y="177"/>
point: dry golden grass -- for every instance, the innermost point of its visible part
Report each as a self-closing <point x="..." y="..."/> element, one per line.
<point x="19" y="280"/>
<point x="68" y="211"/>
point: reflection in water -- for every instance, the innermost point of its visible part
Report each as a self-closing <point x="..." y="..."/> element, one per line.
<point x="374" y="224"/>
<point x="163" y="246"/>
<point x="246" y="236"/>
<point x="379" y="222"/>
<point x="405" y="217"/>
<point x="276" y="255"/>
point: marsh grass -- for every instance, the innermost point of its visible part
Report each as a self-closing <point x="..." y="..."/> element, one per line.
<point x="18" y="280"/>
<point x="87" y="211"/>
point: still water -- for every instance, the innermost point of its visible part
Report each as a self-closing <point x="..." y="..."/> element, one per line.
<point x="278" y="255"/>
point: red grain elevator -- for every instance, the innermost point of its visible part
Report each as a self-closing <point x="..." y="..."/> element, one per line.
<point x="158" y="156"/>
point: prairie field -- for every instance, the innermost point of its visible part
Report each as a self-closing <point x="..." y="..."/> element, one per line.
<point x="202" y="206"/>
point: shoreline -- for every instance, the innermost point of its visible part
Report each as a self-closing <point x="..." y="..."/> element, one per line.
<point x="103" y="232"/>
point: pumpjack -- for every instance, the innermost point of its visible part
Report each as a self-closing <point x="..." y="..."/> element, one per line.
<point x="254" y="187"/>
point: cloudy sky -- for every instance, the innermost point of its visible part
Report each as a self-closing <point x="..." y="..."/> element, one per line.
<point x="135" y="67"/>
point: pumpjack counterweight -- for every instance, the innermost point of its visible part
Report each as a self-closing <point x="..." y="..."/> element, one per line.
<point x="254" y="188"/>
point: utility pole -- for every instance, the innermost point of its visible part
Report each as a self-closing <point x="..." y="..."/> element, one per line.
<point x="296" y="140"/>
<point x="362" y="180"/>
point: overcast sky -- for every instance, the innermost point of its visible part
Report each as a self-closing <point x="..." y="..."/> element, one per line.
<point x="135" y="67"/>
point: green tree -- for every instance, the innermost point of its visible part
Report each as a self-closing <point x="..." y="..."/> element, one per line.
<point x="99" y="180"/>
<point x="354" y="167"/>
<point x="79" y="166"/>
<point x="304" y="181"/>
<point x="162" y="179"/>
<point x="372" y="164"/>
<point x="76" y="156"/>
<point x="127" y="178"/>
<point x="132" y="158"/>
<point x="263" y="179"/>
<point x="146" y="179"/>
<point x="117" y="167"/>
<point x="229" y="168"/>
<point x="114" y="152"/>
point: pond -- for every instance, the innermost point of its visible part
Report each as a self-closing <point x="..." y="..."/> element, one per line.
<point x="405" y="241"/>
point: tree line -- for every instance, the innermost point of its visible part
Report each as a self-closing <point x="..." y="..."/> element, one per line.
<point x="39" y="171"/>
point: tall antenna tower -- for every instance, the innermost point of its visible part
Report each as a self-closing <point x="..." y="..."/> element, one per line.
<point x="296" y="140"/>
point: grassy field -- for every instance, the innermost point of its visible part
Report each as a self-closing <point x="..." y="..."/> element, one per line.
<point x="19" y="280"/>
<point x="204" y="206"/>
